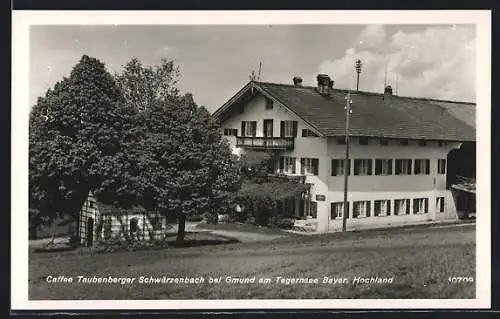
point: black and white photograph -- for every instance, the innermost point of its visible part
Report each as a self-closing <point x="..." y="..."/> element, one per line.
<point x="313" y="160"/>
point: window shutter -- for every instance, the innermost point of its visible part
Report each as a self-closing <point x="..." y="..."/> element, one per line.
<point x="356" y="167"/>
<point x="370" y="163"/>
<point x="346" y="212"/>
<point x="335" y="163"/>
<point x="390" y="167"/>
<point x="302" y="164"/>
<point x="398" y="167"/>
<point x="295" y="125"/>
<point x="426" y="203"/>
<point x="388" y="209"/>
<point x="407" y="207"/>
<point x="378" y="167"/>
<point x="417" y="166"/>
<point x="243" y="123"/>
<point x="315" y="164"/>
<point x="282" y="128"/>
<point x="254" y="128"/>
<point x="427" y="166"/>
<point x="409" y="166"/>
<point x="282" y="163"/>
<point x="368" y="208"/>
<point x="294" y="165"/>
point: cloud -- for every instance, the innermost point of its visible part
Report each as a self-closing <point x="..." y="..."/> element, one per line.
<point x="438" y="62"/>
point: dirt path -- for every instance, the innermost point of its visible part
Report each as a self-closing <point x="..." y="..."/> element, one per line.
<point x="245" y="237"/>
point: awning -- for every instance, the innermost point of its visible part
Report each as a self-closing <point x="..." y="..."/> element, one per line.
<point x="276" y="190"/>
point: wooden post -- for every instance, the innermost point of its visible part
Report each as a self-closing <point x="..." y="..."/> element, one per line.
<point x="346" y="160"/>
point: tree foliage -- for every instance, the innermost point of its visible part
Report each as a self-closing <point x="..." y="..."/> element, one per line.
<point x="144" y="85"/>
<point x="75" y="130"/>
<point x="133" y="141"/>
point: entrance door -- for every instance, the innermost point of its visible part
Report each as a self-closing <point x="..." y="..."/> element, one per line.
<point x="268" y="128"/>
<point x="90" y="231"/>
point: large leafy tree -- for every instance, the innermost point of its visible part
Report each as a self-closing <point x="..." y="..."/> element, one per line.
<point x="77" y="131"/>
<point x="187" y="168"/>
<point x="194" y="171"/>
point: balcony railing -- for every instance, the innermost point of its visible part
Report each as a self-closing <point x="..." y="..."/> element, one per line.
<point x="282" y="143"/>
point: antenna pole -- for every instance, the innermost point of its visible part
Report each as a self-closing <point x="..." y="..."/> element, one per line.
<point x="260" y="67"/>
<point x="385" y="76"/>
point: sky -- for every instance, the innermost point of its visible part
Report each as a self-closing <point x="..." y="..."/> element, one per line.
<point x="432" y="61"/>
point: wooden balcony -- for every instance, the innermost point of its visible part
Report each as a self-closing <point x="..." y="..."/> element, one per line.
<point x="277" y="143"/>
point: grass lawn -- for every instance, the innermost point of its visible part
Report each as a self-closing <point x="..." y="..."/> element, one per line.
<point x="419" y="261"/>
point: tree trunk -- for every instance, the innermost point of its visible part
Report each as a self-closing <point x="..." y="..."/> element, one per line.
<point x="182" y="227"/>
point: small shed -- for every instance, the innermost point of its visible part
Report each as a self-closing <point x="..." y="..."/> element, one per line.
<point x="100" y="221"/>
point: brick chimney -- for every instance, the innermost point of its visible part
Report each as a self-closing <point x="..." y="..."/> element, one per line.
<point x="297" y="81"/>
<point x="388" y="92"/>
<point x="325" y="84"/>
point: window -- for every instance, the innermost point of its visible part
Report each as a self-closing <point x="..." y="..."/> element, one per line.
<point x="403" y="142"/>
<point x="337" y="210"/>
<point x="269" y="104"/>
<point x="362" y="167"/>
<point x="383" y="166"/>
<point x="363" y="141"/>
<point x="401" y="207"/>
<point x="382" y="208"/>
<point x="156" y="223"/>
<point x="133" y="226"/>
<point x="338" y="167"/>
<point x="441" y="166"/>
<point x="230" y="132"/>
<point x="341" y="140"/>
<point x="249" y="128"/>
<point x="91" y="204"/>
<point x="287" y="164"/>
<point x="288" y="129"/>
<point x="361" y="209"/>
<point x="440" y="204"/>
<point x="403" y="167"/>
<point x="384" y="142"/>
<point x="422" y="143"/>
<point x="420" y="205"/>
<point x="308" y="133"/>
<point x="309" y="166"/>
<point x="422" y="166"/>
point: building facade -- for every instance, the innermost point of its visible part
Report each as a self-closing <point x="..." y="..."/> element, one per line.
<point x="398" y="150"/>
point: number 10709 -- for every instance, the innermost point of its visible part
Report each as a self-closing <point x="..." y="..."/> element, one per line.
<point x="458" y="279"/>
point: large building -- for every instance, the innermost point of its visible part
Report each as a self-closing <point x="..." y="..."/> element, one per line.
<point x="399" y="168"/>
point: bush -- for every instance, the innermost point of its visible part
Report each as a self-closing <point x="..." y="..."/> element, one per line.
<point x="196" y="218"/>
<point x="285" y="223"/>
<point x="223" y="218"/>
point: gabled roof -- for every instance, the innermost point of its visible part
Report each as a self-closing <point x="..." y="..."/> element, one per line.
<point x="372" y="116"/>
